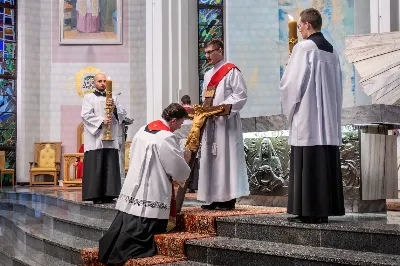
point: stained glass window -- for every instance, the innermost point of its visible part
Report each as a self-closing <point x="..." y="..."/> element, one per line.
<point x="211" y="26"/>
<point x="8" y="94"/>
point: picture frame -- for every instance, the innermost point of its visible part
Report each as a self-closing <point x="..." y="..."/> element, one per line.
<point x="90" y="21"/>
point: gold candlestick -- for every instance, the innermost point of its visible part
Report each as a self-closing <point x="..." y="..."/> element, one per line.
<point x="109" y="110"/>
<point x="292" y="24"/>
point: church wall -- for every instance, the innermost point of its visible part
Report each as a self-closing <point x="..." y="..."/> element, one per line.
<point x="256" y="39"/>
<point x="53" y="111"/>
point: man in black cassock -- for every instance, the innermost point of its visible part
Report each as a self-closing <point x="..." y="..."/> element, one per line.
<point x="311" y="96"/>
<point x="101" y="181"/>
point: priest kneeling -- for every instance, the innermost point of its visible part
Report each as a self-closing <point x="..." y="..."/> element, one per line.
<point x="156" y="160"/>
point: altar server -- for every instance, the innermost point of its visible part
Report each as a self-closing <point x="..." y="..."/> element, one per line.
<point x="311" y="95"/>
<point x="156" y="160"/>
<point x="101" y="181"/>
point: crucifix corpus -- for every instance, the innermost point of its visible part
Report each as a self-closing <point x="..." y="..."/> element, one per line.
<point x="199" y="114"/>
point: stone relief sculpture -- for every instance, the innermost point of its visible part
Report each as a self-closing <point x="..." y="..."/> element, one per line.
<point x="350" y="159"/>
<point x="268" y="161"/>
<point x="263" y="166"/>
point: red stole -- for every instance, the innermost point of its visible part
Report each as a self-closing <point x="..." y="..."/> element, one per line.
<point x="219" y="75"/>
<point x="159" y="125"/>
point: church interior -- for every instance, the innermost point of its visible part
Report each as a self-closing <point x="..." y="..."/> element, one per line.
<point x="154" y="53"/>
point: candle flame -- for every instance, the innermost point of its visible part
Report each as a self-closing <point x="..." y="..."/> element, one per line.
<point x="108" y="78"/>
<point x="290" y="17"/>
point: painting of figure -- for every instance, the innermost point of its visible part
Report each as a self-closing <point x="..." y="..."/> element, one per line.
<point x="90" y="21"/>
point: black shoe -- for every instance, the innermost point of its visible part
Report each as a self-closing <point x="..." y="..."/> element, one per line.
<point x="318" y="220"/>
<point x="98" y="201"/>
<point x="299" y="219"/>
<point x="226" y="206"/>
<point x="211" y="206"/>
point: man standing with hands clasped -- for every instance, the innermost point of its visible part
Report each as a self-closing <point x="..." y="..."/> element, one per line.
<point x="311" y="95"/>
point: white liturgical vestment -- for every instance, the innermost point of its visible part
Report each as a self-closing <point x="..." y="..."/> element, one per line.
<point x="155" y="159"/>
<point x="311" y="96"/>
<point x="93" y="114"/>
<point x="223" y="173"/>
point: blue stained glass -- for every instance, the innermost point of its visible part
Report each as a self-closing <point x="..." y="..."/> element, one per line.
<point x="209" y="16"/>
<point x="7" y="104"/>
<point x="11" y="2"/>
<point x="211" y="2"/>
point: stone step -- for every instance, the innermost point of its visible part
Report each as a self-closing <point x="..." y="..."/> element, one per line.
<point x="366" y="232"/>
<point x="59" y="219"/>
<point x="42" y="238"/>
<point x="14" y="252"/>
<point x="234" y="251"/>
<point x="98" y="211"/>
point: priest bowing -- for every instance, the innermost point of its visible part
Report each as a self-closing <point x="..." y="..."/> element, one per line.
<point x="311" y="95"/>
<point x="101" y="181"/>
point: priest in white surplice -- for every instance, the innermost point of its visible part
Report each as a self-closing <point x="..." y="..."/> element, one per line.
<point x="223" y="175"/>
<point x="311" y="96"/>
<point x="101" y="181"/>
<point x="156" y="160"/>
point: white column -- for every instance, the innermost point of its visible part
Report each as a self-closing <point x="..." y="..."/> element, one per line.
<point x="171" y="53"/>
<point x="384" y="16"/>
<point x="157" y="56"/>
<point x="188" y="50"/>
<point x="380" y="16"/>
<point x="374" y="9"/>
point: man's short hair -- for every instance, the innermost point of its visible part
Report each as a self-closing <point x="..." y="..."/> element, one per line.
<point x="217" y="44"/>
<point x="186" y="100"/>
<point x="312" y="16"/>
<point x="174" y="110"/>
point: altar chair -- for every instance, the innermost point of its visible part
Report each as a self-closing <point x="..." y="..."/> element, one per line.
<point x="47" y="156"/>
<point x="127" y="149"/>
<point x="70" y="160"/>
<point x="4" y="170"/>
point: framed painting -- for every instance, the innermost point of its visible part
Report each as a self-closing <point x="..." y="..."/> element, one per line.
<point x="90" y="21"/>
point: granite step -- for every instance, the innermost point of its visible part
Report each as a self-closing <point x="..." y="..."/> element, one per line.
<point x="42" y="238"/>
<point x="366" y="232"/>
<point x="88" y="209"/>
<point x="15" y="253"/>
<point x="233" y="251"/>
<point x="59" y="219"/>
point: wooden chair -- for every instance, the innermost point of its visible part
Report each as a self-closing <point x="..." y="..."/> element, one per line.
<point x="127" y="149"/>
<point x="46" y="162"/>
<point x="70" y="160"/>
<point x="4" y="170"/>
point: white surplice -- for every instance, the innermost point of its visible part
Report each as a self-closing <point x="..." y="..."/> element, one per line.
<point x="223" y="173"/>
<point x="311" y="96"/>
<point x="155" y="158"/>
<point x="93" y="114"/>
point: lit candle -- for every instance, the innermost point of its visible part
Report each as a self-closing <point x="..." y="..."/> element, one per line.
<point x="292" y="24"/>
<point x="108" y="88"/>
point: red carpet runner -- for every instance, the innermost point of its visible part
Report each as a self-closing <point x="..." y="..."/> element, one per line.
<point x="393" y="206"/>
<point x="193" y="223"/>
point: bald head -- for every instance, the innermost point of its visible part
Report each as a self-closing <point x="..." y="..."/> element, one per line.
<point x="100" y="81"/>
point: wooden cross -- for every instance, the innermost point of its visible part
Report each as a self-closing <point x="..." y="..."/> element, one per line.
<point x="199" y="114"/>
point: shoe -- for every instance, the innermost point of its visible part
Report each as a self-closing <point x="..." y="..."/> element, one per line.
<point x="318" y="220"/>
<point x="211" y="206"/>
<point x="97" y="201"/>
<point x="226" y="206"/>
<point x="299" y="219"/>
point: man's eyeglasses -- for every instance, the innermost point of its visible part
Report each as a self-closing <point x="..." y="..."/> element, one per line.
<point x="210" y="52"/>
